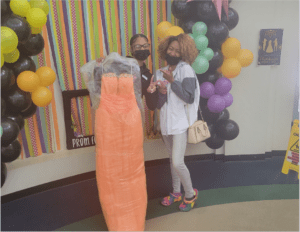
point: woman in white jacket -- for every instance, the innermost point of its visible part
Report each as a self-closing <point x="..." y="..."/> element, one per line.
<point x="178" y="101"/>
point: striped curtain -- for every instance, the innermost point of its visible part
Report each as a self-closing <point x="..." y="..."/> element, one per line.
<point x="40" y="133"/>
<point x="82" y="30"/>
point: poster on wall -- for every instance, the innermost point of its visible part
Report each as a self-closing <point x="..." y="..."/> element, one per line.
<point x="270" y="45"/>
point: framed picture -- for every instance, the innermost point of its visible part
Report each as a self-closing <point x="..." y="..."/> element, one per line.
<point x="270" y="45"/>
<point x="74" y="142"/>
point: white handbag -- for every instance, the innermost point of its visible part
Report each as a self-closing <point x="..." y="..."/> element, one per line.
<point x="199" y="131"/>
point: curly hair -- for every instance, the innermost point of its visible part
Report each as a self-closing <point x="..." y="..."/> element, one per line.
<point x="188" y="49"/>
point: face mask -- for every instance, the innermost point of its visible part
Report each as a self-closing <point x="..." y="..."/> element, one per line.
<point x="172" y="60"/>
<point x="141" y="54"/>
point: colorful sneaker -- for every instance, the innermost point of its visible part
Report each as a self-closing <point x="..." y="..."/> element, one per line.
<point x="174" y="197"/>
<point x="186" y="206"/>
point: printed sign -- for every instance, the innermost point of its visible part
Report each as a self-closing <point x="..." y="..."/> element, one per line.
<point x="270" y="45"/>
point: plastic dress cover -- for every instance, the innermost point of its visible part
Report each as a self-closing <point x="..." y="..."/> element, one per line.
<point x="120" y="170"/>
<point x="114" y="63"/>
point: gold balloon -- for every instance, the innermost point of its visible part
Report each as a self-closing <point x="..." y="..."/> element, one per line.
<point x="231" y="47"/>
<point x="162" y="29"/>
<point x="41" y="96"/>
<point x="28" y="81"/>
<point x="47" y="76"/>
<point x="231" y="68"/>
<point x="174" y="31"/>
<point x="2" y="59"/>
<point x="245" y="57"/>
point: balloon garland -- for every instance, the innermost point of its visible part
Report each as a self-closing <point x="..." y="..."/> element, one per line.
<point x="23" y="88"/>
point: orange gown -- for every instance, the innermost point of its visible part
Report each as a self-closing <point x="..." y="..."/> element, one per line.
<point x="120" y="170"/>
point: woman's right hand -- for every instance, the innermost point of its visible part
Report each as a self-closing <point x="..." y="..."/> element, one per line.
<point x="100" y="60"/>
<point x="162" y="87"/>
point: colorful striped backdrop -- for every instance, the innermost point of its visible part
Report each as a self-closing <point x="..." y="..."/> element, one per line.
<point x="82" y="30"/>
<point x="40" y="133"/>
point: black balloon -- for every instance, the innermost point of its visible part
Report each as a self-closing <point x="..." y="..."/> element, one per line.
<point x="211" y="128"/>
<point x="217" y="33"/>
<point x="18" y="100"/>
<point x="24" y="63"/>
<point x="224" y="115"/>
<point x="216" y="61"/>
<point x="29" y="112"/>
<point x="5" y="9"/>
<point x="187" y="25"/>
<point x="16" y="118"/>
<point x="10" y="131"/>
<point x="229" y="1"/>
<point x="206" y="12"/>
<point x="11" y="152"/>
<point x="208" y="116"/>
<point x="182" y="10"/>
<point x="211" y="77"/>
<point x="233" y="18"/>
<point x="3" y="107"/>
<point x="3" y="173"/>
<point x="33" y="46"/>
<point x="7" y="78"/>
<point x="19" y="25"/>
<point x="214" y="142"/>
<point x="227" y="129"/>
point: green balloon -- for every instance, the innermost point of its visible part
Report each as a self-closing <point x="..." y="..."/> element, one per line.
<point x="208" y="53"/>
<point x="200" y="64"/>
<point x="199" y="28"/>
<point x="201" y="42"/>
<point x="191" y="35"/>
<point x="1" y="131"/>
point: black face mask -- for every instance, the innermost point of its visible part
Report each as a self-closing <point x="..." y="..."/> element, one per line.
<point x="141" y="54"/>
<point x="172" y="60"/>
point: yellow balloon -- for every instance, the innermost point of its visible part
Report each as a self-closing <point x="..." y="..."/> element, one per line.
<point x="42" y="4"/>
<point x="245" y="57"/>
<point x="2" y="59"/>
<point x="36" y="30"/>
<point x="174" y="31"/>
<point x="28" y="81"/>
<point x="12" y="57"/>
<point x="36" y="17"/>
<point x="19" y="7"/>
<point x="231" y="67"/>
<point x="47" y="76"/>
<point x="41" y="96"/>
<point x="231" y="47"/>
<point x="9" y="40"/>
<point x="162" y="28"/>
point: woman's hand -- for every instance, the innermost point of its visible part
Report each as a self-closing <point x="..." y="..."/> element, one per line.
<point x="152" y="86"/>
<point x="162" y="87"/>
<point x="100" y="60"/>
<point x="168" y="75"/>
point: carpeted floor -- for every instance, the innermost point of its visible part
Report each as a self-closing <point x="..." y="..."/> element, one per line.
<point x="245" y="208"/>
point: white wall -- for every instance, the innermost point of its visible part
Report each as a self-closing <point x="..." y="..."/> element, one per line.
<point x="263" y="103"/>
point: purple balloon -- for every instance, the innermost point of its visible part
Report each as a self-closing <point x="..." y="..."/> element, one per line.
<point x="228" y="99"/>
<point x="207" y="89"/>
<point x="216" y="104"/>
<point x="223" y="86"/>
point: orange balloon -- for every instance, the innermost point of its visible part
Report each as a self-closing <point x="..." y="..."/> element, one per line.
<point x="231" y="68"/>
<point x="28" y="81"/>
<point x="245" y="57"/>
<point x="162" y="28"/>
<point x="42" y="96"/>
<point x="47" y="76"/>
<point x="231" y="47"/>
